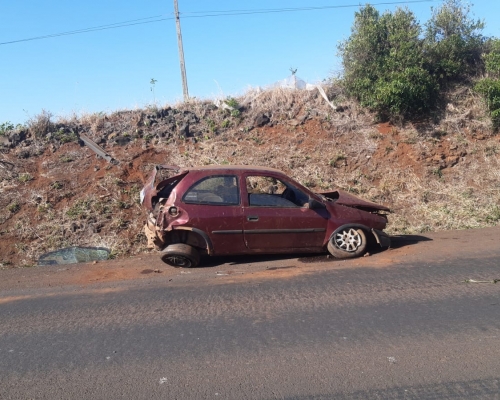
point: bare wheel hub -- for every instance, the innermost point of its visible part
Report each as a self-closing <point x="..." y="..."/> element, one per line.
<point x="178" y="261"/>
<point x="348" y="240"/>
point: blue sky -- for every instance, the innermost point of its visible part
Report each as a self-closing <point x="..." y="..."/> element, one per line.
<point x="109" y="70"/>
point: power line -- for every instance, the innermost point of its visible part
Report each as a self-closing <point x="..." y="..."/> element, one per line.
<point x="201" y="14"/>
<point x="218" y="13"/>
<point x="92" y="29"/>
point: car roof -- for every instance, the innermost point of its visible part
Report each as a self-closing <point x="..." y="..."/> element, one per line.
<point x="235" y="168"/>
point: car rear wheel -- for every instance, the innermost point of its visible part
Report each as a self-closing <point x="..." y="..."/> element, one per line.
<point x="181" y="255"/>
<point x="349" y="242"/>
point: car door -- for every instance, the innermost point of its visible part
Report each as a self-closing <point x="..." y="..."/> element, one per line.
<point x="214" y="207"/>
<point x="277" y="217"/>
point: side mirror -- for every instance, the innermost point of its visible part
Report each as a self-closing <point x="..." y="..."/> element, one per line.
<point x="315" y="204"/>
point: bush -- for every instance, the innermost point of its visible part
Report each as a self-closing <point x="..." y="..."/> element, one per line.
<point x="40" y="125"/>
<point x="489" y="87"/>
<point x="492" y="58"/>
<point x="395" y="70"/>
<point x="453" y="42"/>
<point x="383" y="64"/>
<point x="6" y="127"/>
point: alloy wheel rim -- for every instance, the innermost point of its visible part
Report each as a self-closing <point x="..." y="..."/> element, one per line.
<point x="348" y="240"/>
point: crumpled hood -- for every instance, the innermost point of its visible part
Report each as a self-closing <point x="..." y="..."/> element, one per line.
<point x="349" y="200"/>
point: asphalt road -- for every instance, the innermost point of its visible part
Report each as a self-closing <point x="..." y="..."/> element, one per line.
<point x="277" y="328"/>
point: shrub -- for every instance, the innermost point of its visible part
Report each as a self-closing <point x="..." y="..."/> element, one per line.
<point x="453" y="41"/>
<point x="25" y="177"/>
<point x="8" y="126"/>
<point x="394" y="69"/>
<point x="383" y="64"/>
<point x="65" y="137"/>
<point x="232" y="102"/>
<point x="492" y="58"/>
<point x="14" y="207"/>
<point x="40" y="125"/>
<point x="489" y="87"/>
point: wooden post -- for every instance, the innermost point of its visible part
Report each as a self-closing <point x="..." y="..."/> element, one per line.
<point x="181" y="52"/>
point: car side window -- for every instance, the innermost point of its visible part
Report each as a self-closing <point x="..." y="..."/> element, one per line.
<point x="215" y="190"/>
<point x="266" y="191"/>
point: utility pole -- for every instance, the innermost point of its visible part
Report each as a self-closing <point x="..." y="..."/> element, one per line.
<point x="181" y="52"/>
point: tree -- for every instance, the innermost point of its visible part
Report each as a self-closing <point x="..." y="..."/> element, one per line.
<point x="453" y="41"/>
<point x="384" y="65"/>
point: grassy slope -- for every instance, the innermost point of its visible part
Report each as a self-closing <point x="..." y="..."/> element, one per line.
<point x="434" y="175"/>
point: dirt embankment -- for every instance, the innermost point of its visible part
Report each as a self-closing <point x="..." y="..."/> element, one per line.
<point x="55" y="192"/>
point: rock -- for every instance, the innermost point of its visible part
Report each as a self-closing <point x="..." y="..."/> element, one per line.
<point x="24" y="153"/>
<point x="4" y="141"/>
<point x="183" y="130"/>
<point x="261" y="120"/>
<point x="122" y="140"/>
<point x="303" y="118"/>
<point x="163" y="113"/>
<point x="16" y="138"/>
<point x="190" y="117"/>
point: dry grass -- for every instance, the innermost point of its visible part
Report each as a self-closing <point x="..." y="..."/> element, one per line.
<point x="321" y="148"/>
<point x="40" y="125"/>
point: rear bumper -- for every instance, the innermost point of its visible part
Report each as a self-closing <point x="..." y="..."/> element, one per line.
<point x="154" y="240"/>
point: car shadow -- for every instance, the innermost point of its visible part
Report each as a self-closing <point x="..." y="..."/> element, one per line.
<point x="215" y="261"/>
<point x="397" y="241"/>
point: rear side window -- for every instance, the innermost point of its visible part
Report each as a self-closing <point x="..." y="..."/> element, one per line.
<point x="215" y="190"/>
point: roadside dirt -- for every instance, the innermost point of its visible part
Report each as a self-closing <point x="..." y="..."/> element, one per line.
<point x="56" y="193"/>
<point x="430" y="248"/>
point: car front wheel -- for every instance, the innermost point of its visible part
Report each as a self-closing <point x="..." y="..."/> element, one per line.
<point x="180" y="255"/>
<point x="349" y="242"/>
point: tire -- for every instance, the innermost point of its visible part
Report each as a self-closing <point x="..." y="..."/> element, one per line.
<point x="347" y="243"/>
<point x="181" y="255"/>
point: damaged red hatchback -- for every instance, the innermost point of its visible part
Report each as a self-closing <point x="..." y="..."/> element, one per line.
<point x="225" y="210"/>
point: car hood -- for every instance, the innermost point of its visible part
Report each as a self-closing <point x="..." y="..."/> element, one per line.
<point x="349" y="200"/>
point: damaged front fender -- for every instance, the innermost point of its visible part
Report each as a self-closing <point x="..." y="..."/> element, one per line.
<point x="349" y="200"/>
<point x="382" y="238"/>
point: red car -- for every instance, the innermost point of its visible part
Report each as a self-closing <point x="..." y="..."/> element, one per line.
<point x="225" y="210"/>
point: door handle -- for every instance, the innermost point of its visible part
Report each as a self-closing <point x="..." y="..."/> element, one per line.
<point x="252" y="218"/>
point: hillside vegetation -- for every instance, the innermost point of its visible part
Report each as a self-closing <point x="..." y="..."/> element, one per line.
<point x="433" y="159"/>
